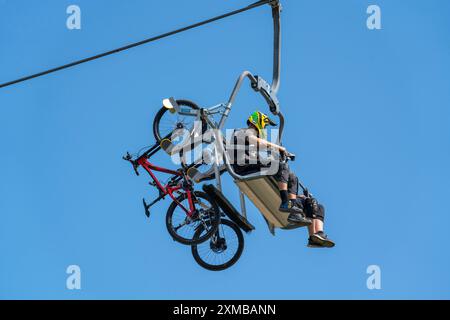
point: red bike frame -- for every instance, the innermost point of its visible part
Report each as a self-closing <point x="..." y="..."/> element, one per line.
<point x="168" y="189"/>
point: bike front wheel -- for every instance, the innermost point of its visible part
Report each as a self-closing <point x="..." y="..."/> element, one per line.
<point x="222" y="250"/>
<point x="183" y="228"/>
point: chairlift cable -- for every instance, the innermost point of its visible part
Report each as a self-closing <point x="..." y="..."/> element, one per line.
<point x="132" y="45"/>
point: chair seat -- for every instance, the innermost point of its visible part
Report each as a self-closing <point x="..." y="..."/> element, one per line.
<point x="265" y="195"/>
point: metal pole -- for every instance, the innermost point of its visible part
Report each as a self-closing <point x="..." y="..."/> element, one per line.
<point x="276" y="10"/>
<point x="243" y="209"/>
<point x="217" y="170"/>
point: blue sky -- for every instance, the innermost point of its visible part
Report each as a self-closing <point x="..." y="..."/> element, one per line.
<point x="367" y="115"/>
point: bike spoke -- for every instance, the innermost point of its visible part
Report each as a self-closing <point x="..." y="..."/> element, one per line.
<point x="169" y="123"/>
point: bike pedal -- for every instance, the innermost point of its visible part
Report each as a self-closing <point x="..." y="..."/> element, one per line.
<point x="146" y="208"/>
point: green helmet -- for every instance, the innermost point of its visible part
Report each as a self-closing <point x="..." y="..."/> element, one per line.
<point x="260" y="120"/>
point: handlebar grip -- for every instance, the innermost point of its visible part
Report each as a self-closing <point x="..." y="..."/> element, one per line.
<point x="129" y="158"/>
<point x="288" y="156"/>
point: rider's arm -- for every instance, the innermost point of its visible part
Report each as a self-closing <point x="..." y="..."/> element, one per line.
<point x="259" y="141"/>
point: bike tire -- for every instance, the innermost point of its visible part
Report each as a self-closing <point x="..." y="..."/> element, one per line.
<point x="230" y="262"/>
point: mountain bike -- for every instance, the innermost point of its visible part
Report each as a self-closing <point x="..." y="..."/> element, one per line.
<point x="189" y="211"/>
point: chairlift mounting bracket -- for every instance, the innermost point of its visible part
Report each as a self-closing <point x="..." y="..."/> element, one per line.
<point x="275" y="3"/>
<point x="265" y="89"/>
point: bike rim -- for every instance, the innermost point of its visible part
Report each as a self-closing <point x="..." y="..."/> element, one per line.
<point x="213" y="253"/>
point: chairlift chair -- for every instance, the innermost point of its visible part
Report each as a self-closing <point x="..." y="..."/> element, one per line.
<point x="260" y="188"/>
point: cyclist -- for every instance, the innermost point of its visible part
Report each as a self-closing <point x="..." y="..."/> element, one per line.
<point x="247" y="159"/>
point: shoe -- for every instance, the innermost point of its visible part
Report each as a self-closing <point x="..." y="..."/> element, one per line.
<point x="320" y="240"/>
<point x="312" y="244"/>
<point x="299" y="219"/>
<point x="290" y="207"/>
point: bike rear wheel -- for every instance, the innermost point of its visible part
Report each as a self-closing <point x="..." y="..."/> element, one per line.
<point x="222" y="250"/>
<point x="176" y="127"/>
<point x="183" y="228"/>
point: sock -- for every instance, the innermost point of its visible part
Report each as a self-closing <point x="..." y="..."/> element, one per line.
<point x="284" y="196"/>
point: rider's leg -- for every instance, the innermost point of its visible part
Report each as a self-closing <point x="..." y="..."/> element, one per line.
<point x="319" y="238"/>
<point x="287" y="183"/>
<point x="312" y="228"/>
<point x="317" y="219"/>
<point x="292" y="186"/>
<point x="318" y="225"/>
<point x="282" y="178"/>
<point x="283" y="186"/>
<point x="296" y="213"/>
<point x="285" y="193"/>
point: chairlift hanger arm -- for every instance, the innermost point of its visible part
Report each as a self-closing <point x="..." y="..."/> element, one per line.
<point x="276" y="10"/>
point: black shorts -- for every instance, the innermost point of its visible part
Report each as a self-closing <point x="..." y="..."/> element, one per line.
<point x="284" y="174"/>
<point x="247" y="169"/>
<point x="309" y="212"/>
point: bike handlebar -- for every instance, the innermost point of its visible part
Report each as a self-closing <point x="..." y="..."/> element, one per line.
<point x="129" y="158"/>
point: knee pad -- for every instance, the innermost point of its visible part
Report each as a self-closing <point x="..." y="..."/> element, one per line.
<point x="320" y="213"/>
<point x="314" y="210"/>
